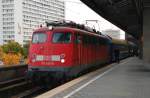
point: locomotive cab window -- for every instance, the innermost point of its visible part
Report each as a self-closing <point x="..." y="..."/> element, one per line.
<point x="61" y="37"/>
<point x="39" y="38"/>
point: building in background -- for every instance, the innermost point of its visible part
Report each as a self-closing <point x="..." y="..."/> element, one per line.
<point x="114" y="33"/>
<point x="18" y="18"/>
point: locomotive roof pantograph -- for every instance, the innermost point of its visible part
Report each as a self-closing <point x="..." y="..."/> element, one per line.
<point x="66" y="23"/>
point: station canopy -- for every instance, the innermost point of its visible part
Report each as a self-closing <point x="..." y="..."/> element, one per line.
<point x="126" y="14"/>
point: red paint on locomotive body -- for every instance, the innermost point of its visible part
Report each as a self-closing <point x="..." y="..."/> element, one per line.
<point x="65" y="47"/>
<point x="51" y="53"/>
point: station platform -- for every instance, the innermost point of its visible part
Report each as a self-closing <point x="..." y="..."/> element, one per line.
<point x="128" y="79"/>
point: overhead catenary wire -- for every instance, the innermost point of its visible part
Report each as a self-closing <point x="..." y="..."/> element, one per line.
<point x="75" y="2"/>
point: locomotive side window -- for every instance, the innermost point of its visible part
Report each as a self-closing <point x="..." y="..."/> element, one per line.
<point x="61" y="37"/>
<point x="39" y="38"/>
<point x="85" y="39"/>
<point x="77" y="38"/>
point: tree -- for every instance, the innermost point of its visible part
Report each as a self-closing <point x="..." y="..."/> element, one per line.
<point x="26" y="50"/>
<point x="12" y="47"/>
<point x="1" y="52"/>
<point x="11" y="59"/>
<point x="12" y="53"/>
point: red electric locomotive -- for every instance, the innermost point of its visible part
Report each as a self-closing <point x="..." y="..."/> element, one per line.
<point x="66" y="49"/>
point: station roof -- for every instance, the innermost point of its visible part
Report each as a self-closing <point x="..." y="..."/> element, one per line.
<point x="126" y="14"/>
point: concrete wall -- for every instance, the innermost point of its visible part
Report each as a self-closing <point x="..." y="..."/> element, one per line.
<point x="146" y="34"/>
<point x="10" y="73"/>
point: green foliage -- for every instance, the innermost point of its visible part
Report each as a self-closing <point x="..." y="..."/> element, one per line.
<point x="15" y="48"/>
<point x="12" y="47"/>
<point x="25" y="50"/>
<point x="1" y="52"/>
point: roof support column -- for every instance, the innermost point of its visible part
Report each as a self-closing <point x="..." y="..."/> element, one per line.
<point x="146" y="34"/>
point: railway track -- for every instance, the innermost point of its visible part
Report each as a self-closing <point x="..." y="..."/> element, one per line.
<point x="14" y="86"/>
<point x="11" y="82"/>
<point x="30" y="92"/>
<point x="21" y="88"/>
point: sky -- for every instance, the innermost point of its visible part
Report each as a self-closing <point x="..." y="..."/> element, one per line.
<point x="76" y="11"/>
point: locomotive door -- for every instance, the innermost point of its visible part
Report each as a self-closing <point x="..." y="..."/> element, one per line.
<point x="78" y="48"/>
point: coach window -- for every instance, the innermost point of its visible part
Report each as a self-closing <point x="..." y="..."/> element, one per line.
<point x="61" y="37"/>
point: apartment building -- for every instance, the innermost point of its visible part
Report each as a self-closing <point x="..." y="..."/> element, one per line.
<point x="18" y="18"/>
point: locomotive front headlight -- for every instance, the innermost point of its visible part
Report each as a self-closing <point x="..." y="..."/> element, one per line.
<point x="62" y="60"/>
<point x="50" y="27"/>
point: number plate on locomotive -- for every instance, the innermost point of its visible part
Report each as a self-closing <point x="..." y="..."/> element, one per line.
<point x="39" y="58"/>
<point x="55" y="57"/>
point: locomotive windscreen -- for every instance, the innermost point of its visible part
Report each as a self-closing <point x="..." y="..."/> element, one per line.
<point x="61" y="37"/>
<point x="39" y="38"/>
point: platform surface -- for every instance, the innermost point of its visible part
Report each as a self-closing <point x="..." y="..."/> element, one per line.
<point x="129" y="79"/>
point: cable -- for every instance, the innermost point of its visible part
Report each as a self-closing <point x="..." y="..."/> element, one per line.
<point x="72" y="2"/>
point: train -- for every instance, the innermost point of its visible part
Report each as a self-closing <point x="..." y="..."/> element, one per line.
<point x="65" y="49"/>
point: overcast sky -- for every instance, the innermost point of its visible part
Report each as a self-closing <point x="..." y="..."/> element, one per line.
<point x="79" y="12"/>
